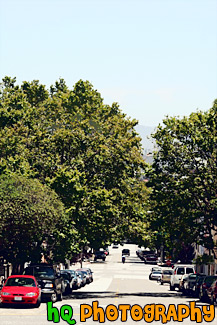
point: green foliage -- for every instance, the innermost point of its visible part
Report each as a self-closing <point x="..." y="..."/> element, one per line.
<point x="32" y="220"/>
<point x="184" y="180"/>
<point x="88" y="152"/>
<point x="204" y="259"/>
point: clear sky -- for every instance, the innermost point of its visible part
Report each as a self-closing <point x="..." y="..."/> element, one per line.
<point x="153" y="57"/>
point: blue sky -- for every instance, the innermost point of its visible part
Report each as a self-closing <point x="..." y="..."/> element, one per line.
<point x="153" y="57"/>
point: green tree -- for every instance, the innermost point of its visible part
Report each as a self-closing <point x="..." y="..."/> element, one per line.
<point x="184" y="182"/>
<point x="32" y="221"/>
<point x="88" y="152"/>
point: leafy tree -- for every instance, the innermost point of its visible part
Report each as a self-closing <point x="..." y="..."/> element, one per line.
<point x="88" y="152"/>
<point x="184" y="182"/>
<point x="32" y="221"/>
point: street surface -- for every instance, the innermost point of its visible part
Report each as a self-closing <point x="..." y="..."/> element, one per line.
<point x="114" y="283"/>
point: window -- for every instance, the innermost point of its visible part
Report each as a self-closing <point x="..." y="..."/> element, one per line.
<point x="189" y="270"/>
<point x="181" y="270"/>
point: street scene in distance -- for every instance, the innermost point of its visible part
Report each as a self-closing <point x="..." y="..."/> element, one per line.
<point x="116" y="281"/>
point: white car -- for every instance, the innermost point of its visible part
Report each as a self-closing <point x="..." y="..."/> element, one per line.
<point x="155" y="275"/>
<point x="178" y="271"/>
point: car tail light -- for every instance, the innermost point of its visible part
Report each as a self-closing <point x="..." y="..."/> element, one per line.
<point x="174" y="272"/>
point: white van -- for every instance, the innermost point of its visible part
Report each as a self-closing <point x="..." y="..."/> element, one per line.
<point x="178" y="271"/>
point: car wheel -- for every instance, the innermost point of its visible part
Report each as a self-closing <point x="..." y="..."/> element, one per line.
<point x="103" y="259"/>
<point x="53" y="297"/>
<point x="201" y="297"/>
<point x="172" y="288"/>
<point x="38" y="303"/>
<point x="161" y="283"/>
<point x="60" y="296"/>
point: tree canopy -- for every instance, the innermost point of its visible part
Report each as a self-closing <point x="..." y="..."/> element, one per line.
<point x="85" y="150"/>
<point x="31" y="220"/>
<point x="184" y="180"/>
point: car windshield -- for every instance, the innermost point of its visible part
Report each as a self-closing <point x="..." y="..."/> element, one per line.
<point x="20" y="282"/>
<point x="168" y="272"/>
<point x="39" y="271"/>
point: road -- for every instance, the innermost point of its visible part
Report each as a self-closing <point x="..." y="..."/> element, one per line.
<point x="114" y="283"/>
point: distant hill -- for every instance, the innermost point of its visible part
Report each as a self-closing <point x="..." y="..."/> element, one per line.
<point x="145" y="133"/>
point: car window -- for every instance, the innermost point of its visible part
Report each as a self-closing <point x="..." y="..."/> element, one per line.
<point x="167" y="272"/>
<point x="180" y="270"/>
<point x="189" y="270"/>
<point x="39" y="271"/>
<point x="20" y="282"/>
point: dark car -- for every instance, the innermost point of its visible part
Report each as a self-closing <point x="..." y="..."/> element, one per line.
<point x="51" y="283"/>
<point x="143" y="253"/>
<point x="88" y="273"/>
<point x="68" y="281"/>
<point x="75" y="281"/>
<point x="150" y="259"/>
<point x="189" y="283"/>
<point x="196" y="288"/>
<point x="206" y="284"/>
<point x="99" y="255"/>
<point x="212" y="292"/>
<point x="126" y="252"/>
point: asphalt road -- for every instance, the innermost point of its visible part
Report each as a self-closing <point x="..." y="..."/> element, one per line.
<point x="114" y="283"/>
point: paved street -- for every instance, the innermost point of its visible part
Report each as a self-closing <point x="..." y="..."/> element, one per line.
<point x="114" y="283"/>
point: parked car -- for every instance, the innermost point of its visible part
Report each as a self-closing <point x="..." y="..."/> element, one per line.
<point x="51" y="282"/>
<point x="82" y="277"/>
<point x="75" y="282"/>
<point x="151" y="259"/>
<point x="165" y="276"/>
<point x="88" y="273"/>
<point x="189" y="284"/>
<point x="198" y="282"/>
<point x="21" y="289"/>
<point x="99" y="255"/>
<point x="143" y="253"/>
<point x="178" y="271"/>
<point x="67" y="282"/>
<point x="206" y="284"/>
<point x="126" y="252"/>
<point x="212" y="292"/>
<point x="182" y="281"/>
<point x="155" y="275"/>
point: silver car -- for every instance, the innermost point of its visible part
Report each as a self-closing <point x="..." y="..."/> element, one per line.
<point x="155" y="275"/>
<point x="166" y="276"/>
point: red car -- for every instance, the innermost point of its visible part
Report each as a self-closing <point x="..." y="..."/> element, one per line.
<point x="21" y="289"/>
